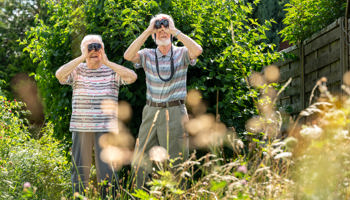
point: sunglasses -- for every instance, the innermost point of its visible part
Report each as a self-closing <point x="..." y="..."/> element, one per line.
<point x="158" y="24"/>
<point x="94" y="46"/>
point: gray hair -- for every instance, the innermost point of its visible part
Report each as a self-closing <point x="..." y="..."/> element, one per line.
<point x="91" y="37"/>
<point x="160" y="15"/>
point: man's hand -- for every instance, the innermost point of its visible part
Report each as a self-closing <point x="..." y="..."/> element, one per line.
<point x="172" y="30"/>
<point x="150" y="29"/>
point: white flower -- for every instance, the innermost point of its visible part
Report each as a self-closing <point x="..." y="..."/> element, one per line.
<point x="341" y="134"/>
<point x="283" y="155"/>
<point x="158" y="154"/>
<point x="312" y="132"/>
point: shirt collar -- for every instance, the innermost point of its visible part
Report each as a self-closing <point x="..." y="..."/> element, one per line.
<point x="159" y="54"/>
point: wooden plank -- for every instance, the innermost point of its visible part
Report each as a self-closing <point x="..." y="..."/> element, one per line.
<point x="296" y="82"/>
<point x="335" y="67"/>
<point x="311" y="56"/>
<point x="285" y="101"/>
<point x="323" y="50"/>
<point x="335" y="77"/>
<point x="296" y="108"/>
<point x="323" y="40"/>
<point x="322" y="61"/>
<point x="334" y="45"/>
<point x="290" y="74"/>
<point x="284" y="72"/>
<point x="291" y="91"/>
<point x="308" y="95"/>
<point x="311" y="80"/>
<point x="324" y="72"/>
<point x="335" y="88"/>
<point x="293" y="71"/>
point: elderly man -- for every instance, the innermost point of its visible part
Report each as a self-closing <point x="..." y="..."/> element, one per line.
<point x="93" y="81"/>
<point x="166" y="73"/>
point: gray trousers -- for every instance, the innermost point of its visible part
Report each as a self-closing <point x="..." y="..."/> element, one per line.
<point x="176" y="142"/>
<point x="83" y="144"/>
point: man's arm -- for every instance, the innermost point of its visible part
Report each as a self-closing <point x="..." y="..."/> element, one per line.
<point x="194" y="49"/>
<point x="131" y="53"/>
<point x="63" y="72"/>
<point x="128" y="75"/>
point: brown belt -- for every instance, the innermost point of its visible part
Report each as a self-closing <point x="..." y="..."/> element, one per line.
<point x="165" y="104"/>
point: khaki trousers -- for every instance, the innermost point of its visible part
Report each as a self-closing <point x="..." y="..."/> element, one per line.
<point x="176" y="142"/>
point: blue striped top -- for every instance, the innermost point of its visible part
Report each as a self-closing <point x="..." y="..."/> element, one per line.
<point x="174" y="89"/>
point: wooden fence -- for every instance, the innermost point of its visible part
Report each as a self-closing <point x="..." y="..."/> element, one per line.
<point x="325" y="54"/>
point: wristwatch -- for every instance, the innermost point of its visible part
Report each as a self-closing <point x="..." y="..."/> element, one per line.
<point x="177" y="33"/>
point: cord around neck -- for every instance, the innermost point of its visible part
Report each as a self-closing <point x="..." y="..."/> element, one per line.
<point x="172" y="68"/>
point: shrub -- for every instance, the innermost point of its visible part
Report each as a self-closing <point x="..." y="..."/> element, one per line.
<point x="13" y="125"/>
<point x="232" y="48"/>
<point x="305" y="17"/>
<point x="22" y="159"/>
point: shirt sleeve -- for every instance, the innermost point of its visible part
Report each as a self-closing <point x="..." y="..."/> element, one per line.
<point x="119" y="80"/>
<point x="186" y="57"/>
<point x="71" y="77"/>
<point x="142" y="54"/>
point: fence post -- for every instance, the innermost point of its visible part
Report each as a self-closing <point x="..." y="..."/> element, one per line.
<point x="302" y="75"/>
<point x="343" y="48"/>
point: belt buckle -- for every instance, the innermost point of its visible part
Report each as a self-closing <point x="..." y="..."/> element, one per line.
<point x="166" y="104"/>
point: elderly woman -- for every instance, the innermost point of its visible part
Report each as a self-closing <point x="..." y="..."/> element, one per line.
<point x="93" y="81"/>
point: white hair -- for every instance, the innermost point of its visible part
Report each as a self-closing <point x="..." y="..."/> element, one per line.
<point x="91" y="37"/>
<point x="161" y="15"/>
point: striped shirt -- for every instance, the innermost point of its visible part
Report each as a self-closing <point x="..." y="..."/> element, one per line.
<point x="90" y="88"/>
<point x="174" y="89"/>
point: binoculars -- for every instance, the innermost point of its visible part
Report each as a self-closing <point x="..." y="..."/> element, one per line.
<point x="158" y="24"/>
<point x="96" y="46"/>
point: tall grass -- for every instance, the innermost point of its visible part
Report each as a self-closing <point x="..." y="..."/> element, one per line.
<point x="277" y="157"/>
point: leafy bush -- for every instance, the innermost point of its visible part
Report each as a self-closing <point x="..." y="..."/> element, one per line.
<point x="305" y="17"/>
<point x="232" y="48"/>
<point x="22" y="159"/>
<point x="13" y="129"/>
<point x="16" y="17"/>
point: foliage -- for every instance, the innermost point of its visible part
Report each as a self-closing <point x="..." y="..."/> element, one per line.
<point x="304" y="17"/>
<point x="233" y="47"/>
<point x="16" y="16"/>
<point x="22" y="159"/>
<point x="13" y="129"/>
<point x="2" y="82"/>
<point x="267" y="10"/>
<point x="231" y="42"/>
